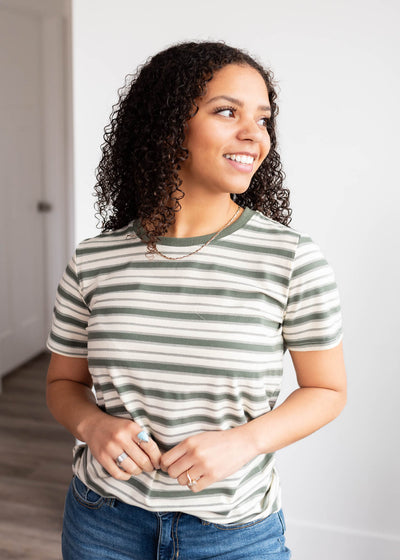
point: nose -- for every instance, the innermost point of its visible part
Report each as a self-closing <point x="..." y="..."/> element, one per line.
<point x="249" y="129"/>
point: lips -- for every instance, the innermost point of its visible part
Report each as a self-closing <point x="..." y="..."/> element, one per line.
<point x="240" y="162"/>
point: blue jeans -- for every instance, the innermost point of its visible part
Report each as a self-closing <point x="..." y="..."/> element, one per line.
<point x="104" y="528"/>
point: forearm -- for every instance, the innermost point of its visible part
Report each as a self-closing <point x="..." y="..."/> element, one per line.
<point x="73" y="405"/>
<point x="303" y="412"/>
<point x="71" y="401"/>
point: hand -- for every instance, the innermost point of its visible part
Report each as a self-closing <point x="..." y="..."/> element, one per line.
<point x="209" y="457"/>
<point x="108" y="436"/>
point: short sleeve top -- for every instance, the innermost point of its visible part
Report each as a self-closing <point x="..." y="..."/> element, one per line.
<point x="186" y="346"/>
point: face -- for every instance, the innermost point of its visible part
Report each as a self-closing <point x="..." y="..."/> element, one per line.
<point x="227" y="139"/>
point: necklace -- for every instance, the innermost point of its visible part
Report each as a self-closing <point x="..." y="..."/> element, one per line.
<point x="204" y="244"/>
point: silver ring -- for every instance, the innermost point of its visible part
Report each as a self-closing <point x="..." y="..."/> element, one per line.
<point x="190" y="482"/>
<point x="121" y="458"/>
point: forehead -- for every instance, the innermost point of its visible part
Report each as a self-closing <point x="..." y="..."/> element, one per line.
<point x="237" y="80"/>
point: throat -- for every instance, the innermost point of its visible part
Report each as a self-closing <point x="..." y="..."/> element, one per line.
<point x="179" y="230"/>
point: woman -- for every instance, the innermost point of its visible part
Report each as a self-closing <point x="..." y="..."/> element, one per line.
<point x="179" y="314"/>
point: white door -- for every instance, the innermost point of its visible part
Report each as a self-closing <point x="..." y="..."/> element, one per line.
<point x="21" y="175"/>
<point x="31" y="170"/>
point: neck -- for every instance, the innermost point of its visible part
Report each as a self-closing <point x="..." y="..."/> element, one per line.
<point x="199" y="218"/>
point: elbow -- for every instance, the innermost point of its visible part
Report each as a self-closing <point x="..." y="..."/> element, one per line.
<point x="340" y="402"/>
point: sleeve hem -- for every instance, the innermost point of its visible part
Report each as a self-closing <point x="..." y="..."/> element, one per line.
<point x="317" y="347"/>
<point x="72" y="354"/>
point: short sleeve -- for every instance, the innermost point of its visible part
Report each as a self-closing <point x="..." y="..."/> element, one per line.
<point x="313" y="319"/>
<point x="68" y="334"/>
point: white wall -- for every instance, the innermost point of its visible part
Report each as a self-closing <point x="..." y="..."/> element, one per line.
<point x="337" y="65"/>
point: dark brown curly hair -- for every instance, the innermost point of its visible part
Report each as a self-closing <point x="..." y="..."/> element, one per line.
<point x="143" y="145"/>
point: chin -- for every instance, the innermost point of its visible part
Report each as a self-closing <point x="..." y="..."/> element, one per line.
<point x="240" y="189"/>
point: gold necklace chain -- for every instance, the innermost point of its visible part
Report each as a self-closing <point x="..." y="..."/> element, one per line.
<point x="204" y="244"/>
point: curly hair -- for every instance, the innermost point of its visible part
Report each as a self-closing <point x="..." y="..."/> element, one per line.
<point x="143" y="148"/>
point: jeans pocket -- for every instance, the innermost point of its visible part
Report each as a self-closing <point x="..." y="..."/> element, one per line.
<point x="234" y="526"/>
<point x="85" y="496"/>
<point x="282" y="520"/>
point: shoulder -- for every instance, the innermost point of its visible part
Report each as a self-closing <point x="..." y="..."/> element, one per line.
<point x="297" y="247"/>
<point x="104" y="242"/>
<point x="102" y="251"/>
<point x="266" y="228"/>
<point x="263" y="224"/>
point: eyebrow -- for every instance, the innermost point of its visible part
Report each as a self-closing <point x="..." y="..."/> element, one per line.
<point x="237" y="102"/>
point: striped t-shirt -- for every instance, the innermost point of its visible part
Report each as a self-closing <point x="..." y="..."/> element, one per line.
<point x="186" y="346"/>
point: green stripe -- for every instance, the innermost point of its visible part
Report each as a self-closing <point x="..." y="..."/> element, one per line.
<point x="179" y="395"/>
<point x="88" y="250"/>
<point x="177" y="341"/>
<point x="315" y="341"/>
<point x="204" y="267"/>
<point x="181" y="315"/>
<point x="305" y="239"/>
<point x="311" y="317"/>
<point x="307" y="294"/>
<point x="165" y="367"/>
<point x="159" y="289"/>
<point x="272" y="228"/>
<point x="67" y="296"/>
<point x="71" y="274"/>
<point x="262" y="250"/>
<point x="67" y="342"/>
<point x="68" y="320"/>
<point x="314" y="265"/>
<point x="185" y="420"/>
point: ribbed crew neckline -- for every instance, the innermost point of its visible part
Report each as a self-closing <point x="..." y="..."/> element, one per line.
<point x="197" y="240"/>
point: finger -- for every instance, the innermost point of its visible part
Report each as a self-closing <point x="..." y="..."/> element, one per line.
<point x="171" y="456"/>
<point x="190" y="478"/>
<point x="144" y="441"/>
<point x="180" y="466"/>
<point x="151" y="449"/>
<point x="113" y="470"/>
<point x="202" y="483"/>
<point x="130" y="467"/>
<point x="138" y="456"/>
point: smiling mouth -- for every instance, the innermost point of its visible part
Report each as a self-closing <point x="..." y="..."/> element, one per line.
<point x="240" y="158"/>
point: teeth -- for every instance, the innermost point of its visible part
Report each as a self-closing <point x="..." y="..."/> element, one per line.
<point x="240" y="158"/>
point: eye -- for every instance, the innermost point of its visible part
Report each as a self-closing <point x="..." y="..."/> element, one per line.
<point x="226" y="110"/>
<point x="264" y="121"/>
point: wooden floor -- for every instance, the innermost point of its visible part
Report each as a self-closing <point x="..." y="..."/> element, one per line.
<point x="35" y="467"/>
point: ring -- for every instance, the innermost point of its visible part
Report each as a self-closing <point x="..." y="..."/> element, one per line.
<point x="143" y="436"/>
<point x="190" y="482"/>
<point x="121" y="458"/>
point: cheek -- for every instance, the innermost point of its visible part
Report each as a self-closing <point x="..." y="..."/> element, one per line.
<point x="203" y="146"/>
<point x="196" y="142"/>
<point x="208" y="136"/>
<point x="266" y="147"/>
<point x="264" y="152"/>
<point x="267" y="142"/>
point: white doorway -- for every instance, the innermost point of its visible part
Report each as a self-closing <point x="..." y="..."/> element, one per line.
<point x="35" y="171"/>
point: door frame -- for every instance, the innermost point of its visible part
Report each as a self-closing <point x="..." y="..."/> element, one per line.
<point x="58" y="167"/>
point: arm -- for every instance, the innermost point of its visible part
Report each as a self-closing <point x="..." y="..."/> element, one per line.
<point x="71" y="401"/>
<point x="320" y="398"/>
